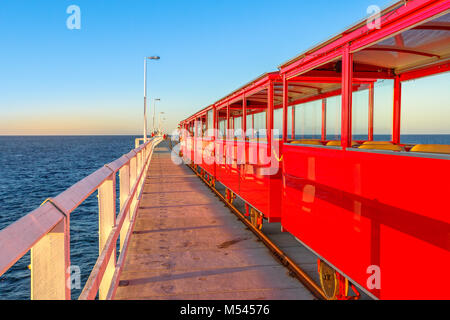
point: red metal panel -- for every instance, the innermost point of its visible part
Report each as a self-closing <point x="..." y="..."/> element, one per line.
<point x="285" y="107"/>
<point x="255" y="186"/>
<point x="269" y="117"/>
<point x="293" y="123"/>
<point x="360" y="209"/>
<point x="347" y="77"/>
<point x="244" y="117"/>
<point x="228" y="122"/>
<point x="324" y="119"/>
<point x="371" y="104"/>
<point x="397" y="110"/>
<point x="414" y="12"/>
<point x="424" y="72"/>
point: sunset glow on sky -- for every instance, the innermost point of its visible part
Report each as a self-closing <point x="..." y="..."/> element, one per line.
<point x="56" y="81"/>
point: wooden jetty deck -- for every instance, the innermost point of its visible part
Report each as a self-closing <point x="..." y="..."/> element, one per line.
<point x="187" y="244"/>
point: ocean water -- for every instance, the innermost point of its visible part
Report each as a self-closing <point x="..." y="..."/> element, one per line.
<point x="33" y="169"/>
<point x="406" y="139"/>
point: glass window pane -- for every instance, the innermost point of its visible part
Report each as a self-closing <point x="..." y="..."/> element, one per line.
<point x="383" y="110"/>
<point x="360" y="115"/>
<point x="278" y="123"/>
<point x="308" y="120"/>
<point x="334" y="118"/>
<point x="425" y="115"/>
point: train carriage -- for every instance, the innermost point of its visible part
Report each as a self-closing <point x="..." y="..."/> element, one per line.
<point x="341" y="176"/>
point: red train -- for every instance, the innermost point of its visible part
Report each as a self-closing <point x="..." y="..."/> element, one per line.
<point x="376" y="213"/>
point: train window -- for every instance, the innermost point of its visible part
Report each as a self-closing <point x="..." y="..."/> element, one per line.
<point x="334" y="118"/>
<point x="203" y="127"/>
<point x="249" y="126"/>
<point x="425" y="111"/>
<point x="289" y="122"/>
<point x="260" y="124"/>
<point x="383" y="110"/>
<point x="222" y="129"/>
<point x="237" y="127"/>
<point x="278" y="123"/>
<point x="308" y="120"/>
<point x="210" y="117"/>
<point x="200" y="127"/>
<point x="360" y="115"/>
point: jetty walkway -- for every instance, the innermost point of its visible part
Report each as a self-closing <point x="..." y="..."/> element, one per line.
<point x="187" y="244"/>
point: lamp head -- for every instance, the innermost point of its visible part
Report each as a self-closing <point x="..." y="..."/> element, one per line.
<point x="153" y="58"/>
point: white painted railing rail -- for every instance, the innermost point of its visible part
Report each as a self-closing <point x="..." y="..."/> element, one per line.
<point x="46" y="230"/>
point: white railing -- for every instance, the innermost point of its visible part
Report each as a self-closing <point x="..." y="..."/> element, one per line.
<point x="46" y="230"/>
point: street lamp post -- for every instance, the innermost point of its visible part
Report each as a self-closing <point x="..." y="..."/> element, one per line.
<point x="161" y="124"/>
<point x="159" y="121"/>
<point x="154" y="111"/>
<point x="145" y="93"/>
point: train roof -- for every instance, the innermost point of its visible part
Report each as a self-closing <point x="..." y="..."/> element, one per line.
<point x="413" y="35"/>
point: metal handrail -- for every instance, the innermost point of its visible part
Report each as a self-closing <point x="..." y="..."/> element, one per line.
<point x="46" y="230"/>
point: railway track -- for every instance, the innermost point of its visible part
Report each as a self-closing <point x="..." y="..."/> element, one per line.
<point x="313" y="285"/>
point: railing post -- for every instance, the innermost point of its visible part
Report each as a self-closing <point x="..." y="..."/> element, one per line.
<point x="50" y="262"/>
<point x="139" y="162"/>
<point x="125" y="188"/>
<point x="133" y="177"/>
<point x="107" y="221"/>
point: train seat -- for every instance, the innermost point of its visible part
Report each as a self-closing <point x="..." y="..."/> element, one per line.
<point x="308" y="141"/>
<point x="389" y="147"/>
<point x="337" y="143"/>
<point x="377" y="143"/>
<point x="431" y="148"/>
<point x="257" y="140"/>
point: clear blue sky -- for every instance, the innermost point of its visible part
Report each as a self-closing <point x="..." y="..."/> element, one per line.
<point x="90" y="81"/>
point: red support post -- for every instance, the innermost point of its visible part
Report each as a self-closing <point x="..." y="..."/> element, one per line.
<point x="347" y="76"/>
<point x="293" y="123"/>
<point x="269" y="116"/>
<point x="285" y="107"/>
<point x="228" y="122"/>
<point x="324" y="119"/>
<point x="253" y="126"/>
<point x="215" y="126"/>
<point x="371" y="103"/>
<point x="397" y="110"/>
<point x="244" y="118"/>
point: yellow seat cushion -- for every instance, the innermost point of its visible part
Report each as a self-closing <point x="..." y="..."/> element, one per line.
<point x="391" y="147"/>
<point x="337" y="143"/>
<point x="307" y="141"/>
<point x="432" y="148"/>
<point x="378" y="142"/>
<point x="258" y="139"/>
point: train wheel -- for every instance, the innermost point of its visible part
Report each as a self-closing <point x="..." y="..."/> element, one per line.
<point x="230" y="196"/>
<point x="256" y="219"/>
<point x="334" y="285"/>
